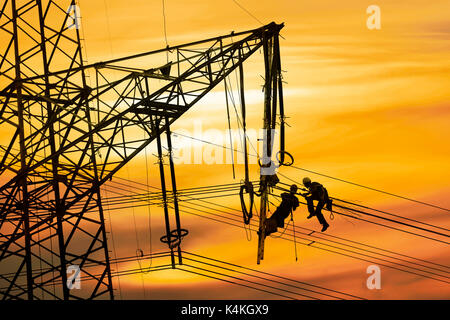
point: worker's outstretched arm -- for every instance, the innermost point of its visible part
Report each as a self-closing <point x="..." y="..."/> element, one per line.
<point x="306" y="194"/>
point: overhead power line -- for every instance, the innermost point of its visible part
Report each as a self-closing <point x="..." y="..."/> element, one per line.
<point x="227" y="272"/>
<point x="248" y="12"/>
<point x="331" y="248"/>
<point x="388" y="219"/>
<point x="429" y="269"/>
<point x="373" y="189"/>
<point x="324" y="175"/>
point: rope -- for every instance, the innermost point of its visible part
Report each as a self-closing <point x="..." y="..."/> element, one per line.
<point x="165" y="28"/>
<point x="331" y="215"/>
<point x="295" y="240"/>
<point x="248" y="187"/>
<point x="229" y="128"/>
<point x="282" y="233"/>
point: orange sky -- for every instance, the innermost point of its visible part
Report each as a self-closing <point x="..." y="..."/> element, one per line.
<point x="370" y="106"/>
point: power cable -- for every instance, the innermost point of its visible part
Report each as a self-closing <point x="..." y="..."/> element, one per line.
<point x="248" y="12"/>
<point x="373" y="189"/>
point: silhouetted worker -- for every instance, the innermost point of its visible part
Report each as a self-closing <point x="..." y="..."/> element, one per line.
<point x="316" y="191"/>
<point x="288" y="204"/>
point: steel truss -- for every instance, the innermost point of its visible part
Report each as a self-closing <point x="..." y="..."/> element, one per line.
<point x="65" y="133"/>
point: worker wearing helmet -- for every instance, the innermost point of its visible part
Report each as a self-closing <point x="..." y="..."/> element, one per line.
<point x="316" y="191"/>
<point x="288" y="203"/>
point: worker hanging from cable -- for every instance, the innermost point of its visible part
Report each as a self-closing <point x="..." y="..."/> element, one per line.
<point x="288" y="204"/>
<point x="316" y="191"/>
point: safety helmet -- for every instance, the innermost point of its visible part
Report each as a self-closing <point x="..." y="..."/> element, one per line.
<point x="294" y="188"/>
<point x="306" y="181"/>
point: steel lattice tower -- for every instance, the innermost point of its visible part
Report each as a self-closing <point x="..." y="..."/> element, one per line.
<point x="67" y="128"/>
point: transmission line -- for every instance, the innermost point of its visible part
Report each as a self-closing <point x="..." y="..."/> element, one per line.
<point x="373" y="189"/>
<point x="288" y="234"/>
<point x="383" y="218"/>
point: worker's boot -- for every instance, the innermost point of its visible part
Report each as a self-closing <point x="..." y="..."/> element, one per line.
<point x="310" y="216"/>
<point x="325" y="226"/>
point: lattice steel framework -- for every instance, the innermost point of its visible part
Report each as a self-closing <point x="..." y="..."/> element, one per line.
<point x="66" y="128"/>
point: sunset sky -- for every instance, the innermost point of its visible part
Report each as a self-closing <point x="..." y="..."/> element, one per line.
<point x="368" y="106"/>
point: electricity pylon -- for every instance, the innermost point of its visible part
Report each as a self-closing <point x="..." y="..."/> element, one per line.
<point x="67" y="128"/>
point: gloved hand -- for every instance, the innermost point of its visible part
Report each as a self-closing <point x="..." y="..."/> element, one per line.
<point x="304" y="194"/>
